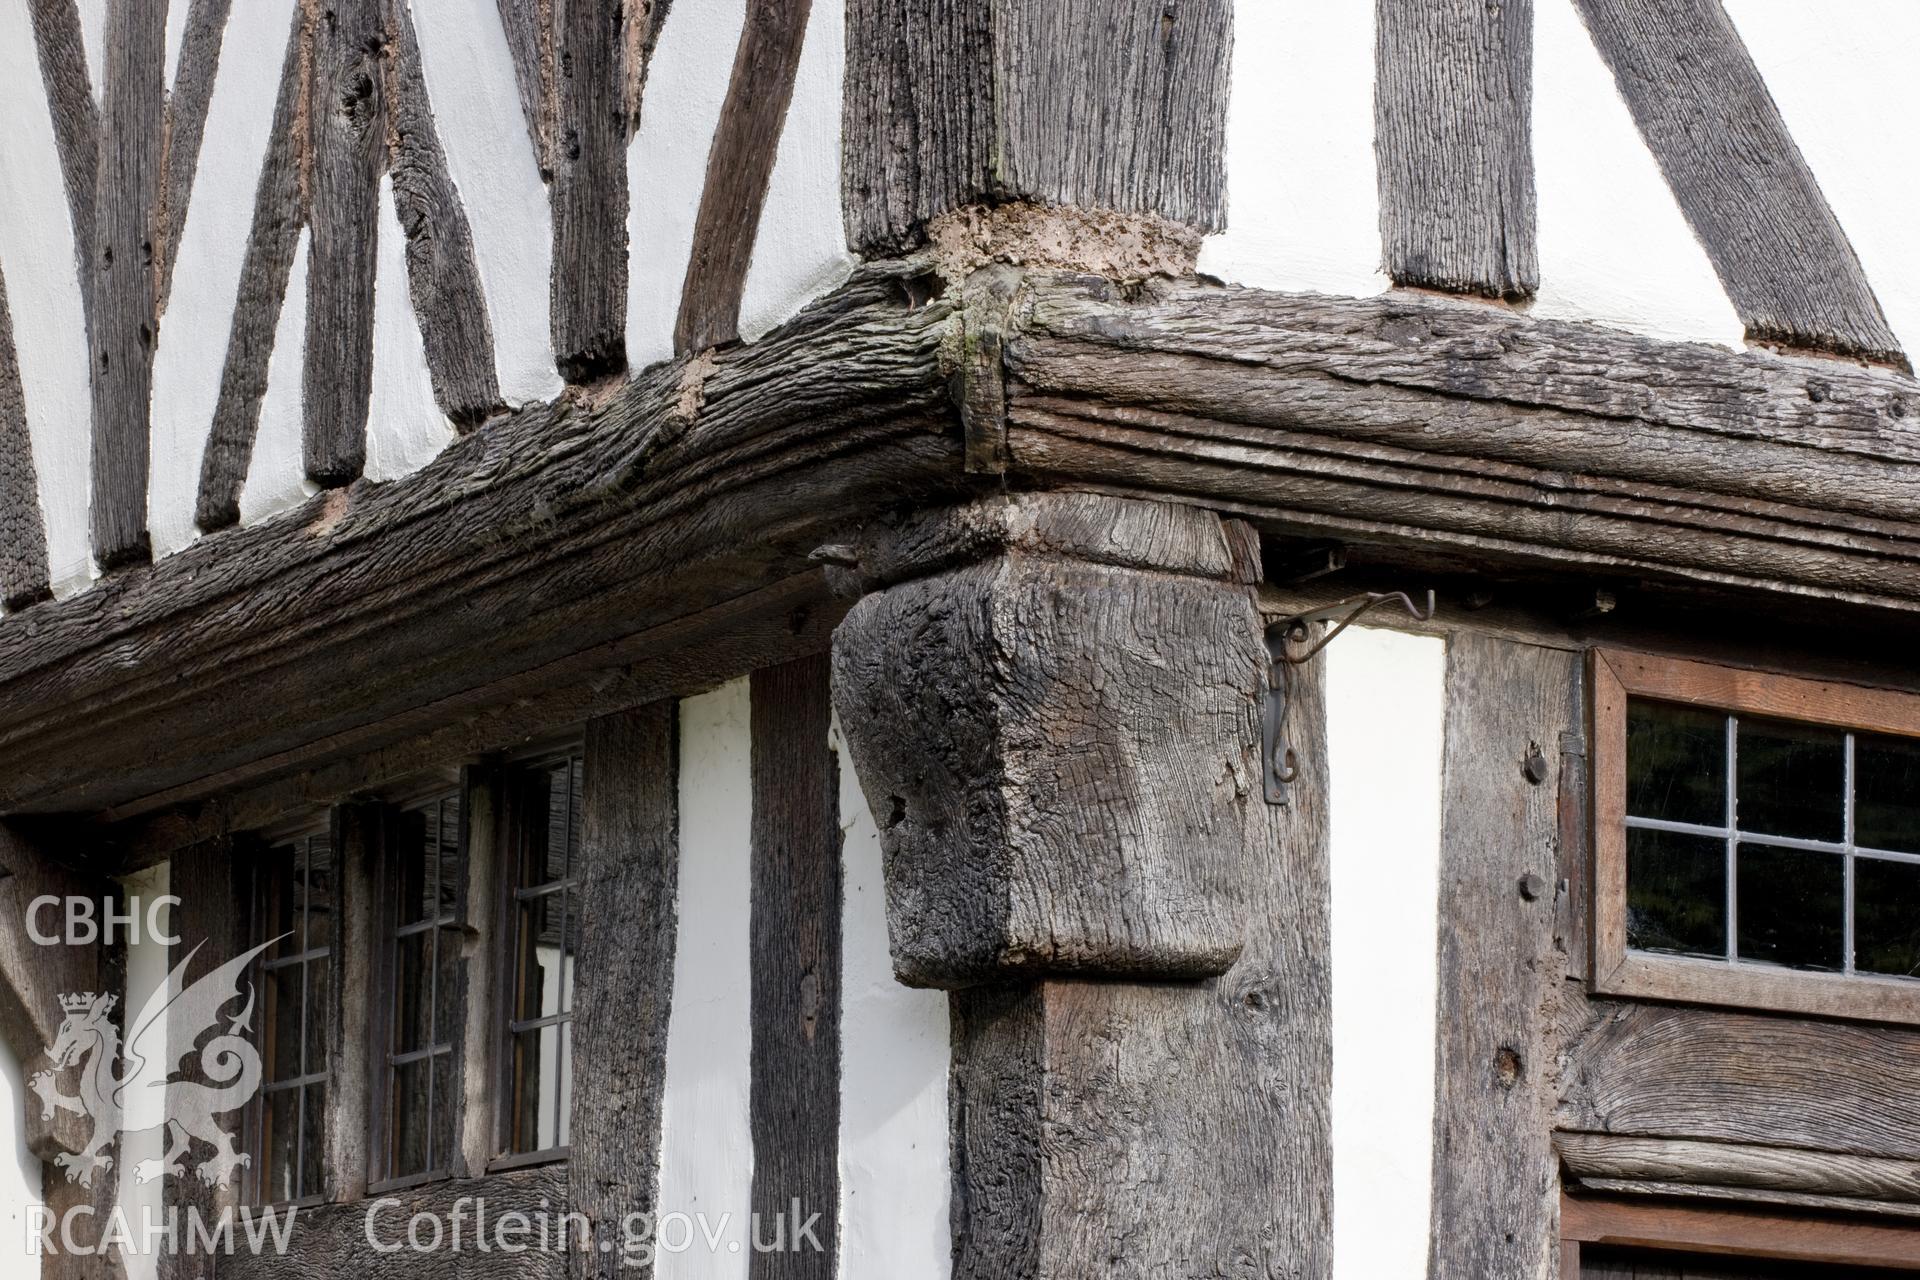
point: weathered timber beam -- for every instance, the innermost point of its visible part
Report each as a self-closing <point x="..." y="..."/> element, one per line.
<point x="279" y="213"/>
<point x="739" y="168"/>
<point x="125" y="314"/>
<point x="588" y="156"/>
<point x="556" y="529"/>
<point x="185" y="125"/>
<point x="629" y="876"/>
<point x="449" y="303"/>
<point x="23" y="531"/>
<point x="1738" y="1165"/>
<point x="348" y="122"/>
<point x="1736" y="173"/>
<point x="33" y="976"/>
<point x="1453" y="125"/>
<point x="76" y="123"/>
<point x="1427" y="422"/>
<point x="1673" y="1072"/>
<point x="1102" y="104"/>
<point x="1074" y="837"/>
<point x="329" y="1241"/>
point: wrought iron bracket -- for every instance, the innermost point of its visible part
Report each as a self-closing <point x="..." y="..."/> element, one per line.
<point x="1292" y="642"/>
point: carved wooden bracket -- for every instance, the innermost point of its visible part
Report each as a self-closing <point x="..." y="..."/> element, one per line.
<point x="1050" y="700"/>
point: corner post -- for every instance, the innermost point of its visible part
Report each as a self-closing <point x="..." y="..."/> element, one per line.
<point x="1050" y="700"/>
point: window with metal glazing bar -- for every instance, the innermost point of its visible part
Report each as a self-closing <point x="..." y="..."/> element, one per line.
<point x="295" y="905"/>
<point x="1764" y="828"/>
<point x="544" y="903"/>
<point x="426" y="869"/>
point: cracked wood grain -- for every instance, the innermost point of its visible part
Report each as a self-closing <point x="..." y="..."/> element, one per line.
<point x="23" y="530"/>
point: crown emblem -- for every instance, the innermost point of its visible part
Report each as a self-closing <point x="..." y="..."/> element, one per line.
<point x="77" y="1002"/>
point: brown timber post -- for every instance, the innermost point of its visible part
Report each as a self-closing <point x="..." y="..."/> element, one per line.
<point x="1050" y="700"/>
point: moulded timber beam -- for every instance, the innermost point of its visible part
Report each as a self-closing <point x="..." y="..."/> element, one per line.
<point x="1050" y="702"/>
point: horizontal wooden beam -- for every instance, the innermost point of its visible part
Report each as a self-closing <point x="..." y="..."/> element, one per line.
<point x="1476" y="432"/>
<point x="1623" y="1157"/>
<point x="556" y="529"/>
<point x="1425" y="428"/>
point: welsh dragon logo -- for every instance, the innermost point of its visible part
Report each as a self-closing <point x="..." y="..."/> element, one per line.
<point x="130" y="1090"/>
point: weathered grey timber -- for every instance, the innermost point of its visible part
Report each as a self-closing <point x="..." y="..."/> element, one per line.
<point x="688" y="655"/>
<point x="1453" y="131"/>
<point x="589" y="160"/>
<point x="1742" y="183"/>
<point x="629" y="874"/>
<point x="1442" y="428"/>
<point x="330" y="1241"/>
<point x="530" y="43"/>
<point x="279" y="213"/>
<point x="356" y="832"/>
<point x="1427" y="423"/>
<point x="1105" y="105"/>
<point x="694" y="483"/>
<point x="125" y="317"/>
<point x="23" y="532"/>
<point x="1734" y="1165"/>
<point x="448" y="302"/>
<point x="348" y="119"/>
<point x="1751" y="1078"/>
<point x="794" y="1099"/>
<point x="1083" y="1109"/>
<point x="640" y="27"/>
<point x="1056" y="795"/>
<point x="185" y="125"/>
<point x="211" y="916"/>
<point x="33" y="977"/>
<point x="1496" y="1187"/>
<point x="76" y="123"/>
<point x="980" y="390"/>
<point x="739" y="166"/>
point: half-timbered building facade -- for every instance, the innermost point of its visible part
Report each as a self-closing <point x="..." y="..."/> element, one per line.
<point x="881" y="639"/>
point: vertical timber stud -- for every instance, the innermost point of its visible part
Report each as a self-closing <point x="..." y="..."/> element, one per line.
<point x="795" y="1092"/>
<point x="629" y="877"/>
<point x="589" y="156"/>
<point x="1453" y="126"/>
<point x="125" y="315"/>
<point x="1496" y="1189"/>
<point x="1050" y="700"/>
<point x="210" y="916"/>
<point x="1116" y="105"/>
<point x="23" y="531"/>
<point x="356" y="835"/>
<point x="349" y="124"/>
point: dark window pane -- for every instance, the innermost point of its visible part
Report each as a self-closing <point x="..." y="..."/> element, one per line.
<point x="1676" y="893"/>
<point x="314" y="887"/>
<point x="1886" y="917"/>
<point x="1792" y="780"/>
<point x="1791" y="907"/>
<point x="408" y="1109"/>
<point x="281" y="1121"/>
<point x="412" y="1005"/>
<point x="279" y="907"/>
<point x="539" y="977"/>
<point x="1886" y="782"/>
<point x="282" y="1023"/>
<point x="1676" y="763"/>
<point x="412" y="873"/>
<point x="536" y="1088"/>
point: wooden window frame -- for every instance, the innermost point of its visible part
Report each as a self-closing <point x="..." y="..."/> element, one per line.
<point x="1730" y="1231"/>
<point x="1619" y="675"/>
<point x="514" y="817"/>
<point x="260" y="849"/>
<point x="381" y="1065"/>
